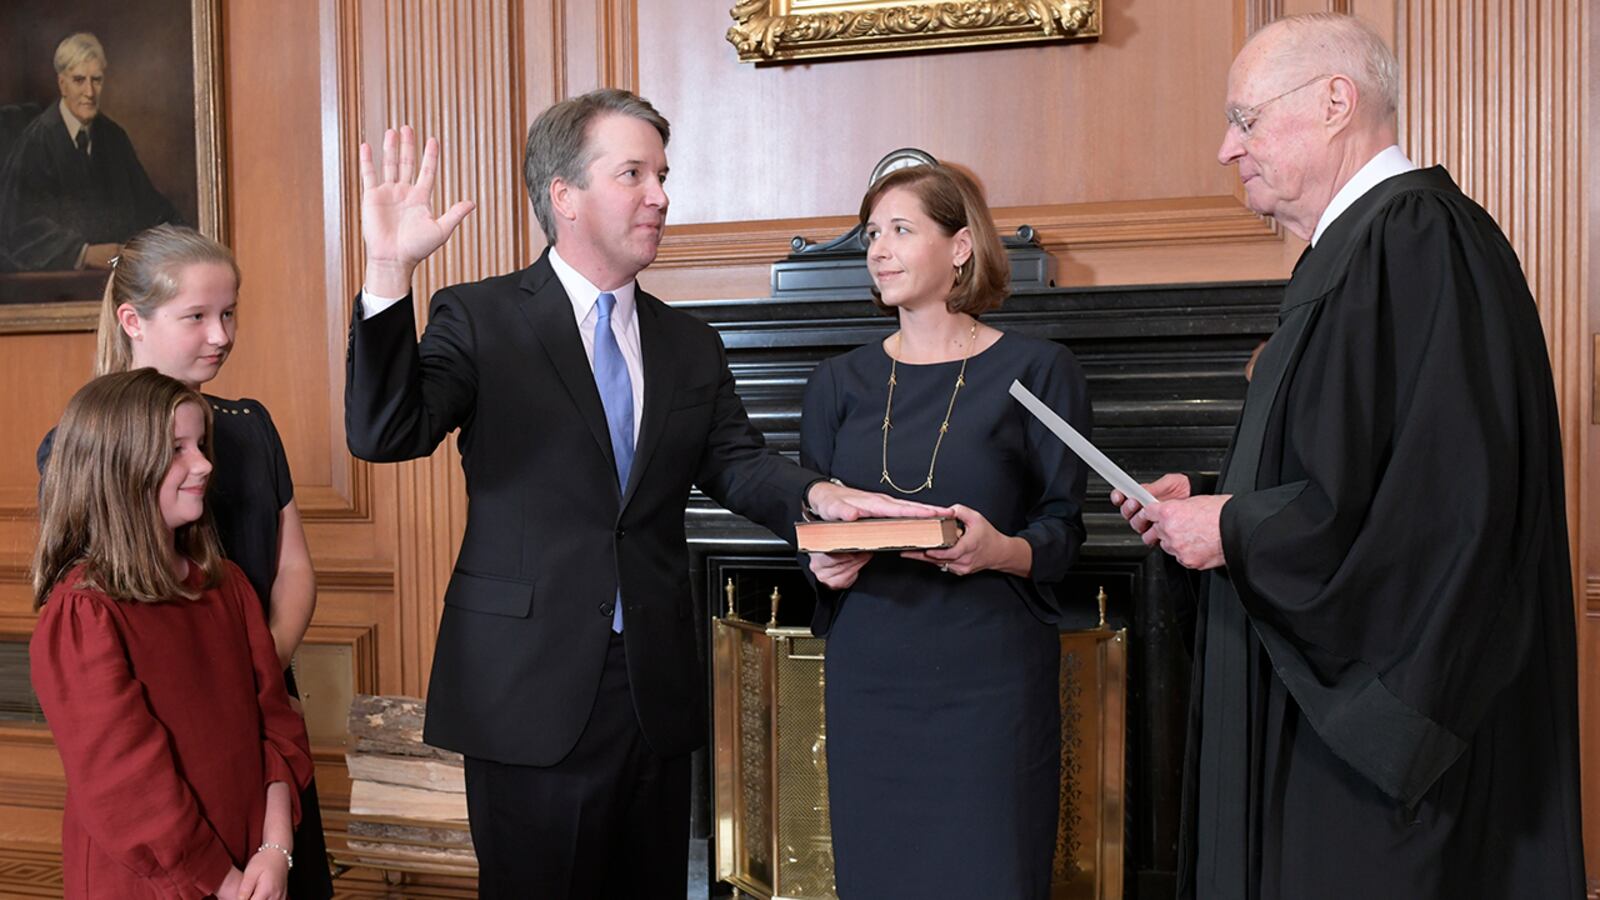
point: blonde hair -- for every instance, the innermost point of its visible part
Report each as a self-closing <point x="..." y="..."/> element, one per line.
<point x="75" y="49"/>
<point x="953" y="201"/>
<point x="145" y="275"/>
<point x="99" y="508"/>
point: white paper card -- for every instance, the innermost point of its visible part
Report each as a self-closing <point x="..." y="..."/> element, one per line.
<point x="1080" y="445"/>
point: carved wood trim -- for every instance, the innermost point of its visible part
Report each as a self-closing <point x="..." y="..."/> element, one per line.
<point x="619" y="45"/>
<point x="446" y="68"/>
<point x="344" y="575"/>
<point x="29" y="872"/>
<point x="362" y="639"/>
<point x="770" y="31"/>
<point x="1495" y="95"/>
<point x="1061" y="227"/>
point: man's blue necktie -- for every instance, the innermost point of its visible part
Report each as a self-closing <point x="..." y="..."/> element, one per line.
<point x="616" y="394"/>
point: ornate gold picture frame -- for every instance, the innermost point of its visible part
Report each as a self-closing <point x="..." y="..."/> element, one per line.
<point x="773" y="31"/>
<point x="163" y="97"/>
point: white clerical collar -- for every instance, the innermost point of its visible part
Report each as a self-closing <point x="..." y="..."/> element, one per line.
<point x="1387" y="164"/>
<point x="583" y="294"/>
<point x="73" y="125"/>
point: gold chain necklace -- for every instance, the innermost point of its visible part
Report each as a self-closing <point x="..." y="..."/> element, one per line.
<point x="888" y="407"/>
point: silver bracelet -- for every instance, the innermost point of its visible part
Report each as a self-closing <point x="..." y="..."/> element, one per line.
<point x="287" y="856"/>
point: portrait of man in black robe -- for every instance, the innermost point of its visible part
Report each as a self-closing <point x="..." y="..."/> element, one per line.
<point x="1384" y="694"/>
<point x="72" y="188"/>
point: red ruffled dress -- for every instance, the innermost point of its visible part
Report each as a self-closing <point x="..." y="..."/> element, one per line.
<point x="171" y="720"/>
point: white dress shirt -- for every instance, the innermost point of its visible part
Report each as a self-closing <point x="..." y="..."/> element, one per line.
<point x="1390" y="162"/>
<point x="73" y="125"/>
<point x="583" y="294"/>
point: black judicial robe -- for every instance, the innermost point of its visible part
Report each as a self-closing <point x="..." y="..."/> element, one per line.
<point x="54" y="199"/>
<point x="1384" y="699"/>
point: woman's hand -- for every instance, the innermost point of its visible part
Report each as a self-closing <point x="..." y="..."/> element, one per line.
<point x="266" y="877"/>
<point x="838" y="570"/>
<point x="980" y="548"/>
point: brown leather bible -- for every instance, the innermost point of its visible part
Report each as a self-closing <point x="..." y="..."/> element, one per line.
<point x="865" y="535"/>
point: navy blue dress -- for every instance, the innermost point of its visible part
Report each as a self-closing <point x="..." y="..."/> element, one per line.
<point x="250" y="486"/>
<point x="942" y="714"/>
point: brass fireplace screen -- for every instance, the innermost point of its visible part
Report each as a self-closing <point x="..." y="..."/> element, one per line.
<point x="771" y="775"/>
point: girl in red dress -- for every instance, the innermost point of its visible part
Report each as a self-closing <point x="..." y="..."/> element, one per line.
<point x="153" y="662"/>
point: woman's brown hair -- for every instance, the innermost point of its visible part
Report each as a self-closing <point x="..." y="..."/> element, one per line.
<point x="953" y="201"/>
<point x="99" y="506"/>
<point x="145" y="275"/>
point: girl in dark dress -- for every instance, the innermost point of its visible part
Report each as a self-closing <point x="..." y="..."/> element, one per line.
<point x="170" y="305"/>
<point x="942" y="714"/>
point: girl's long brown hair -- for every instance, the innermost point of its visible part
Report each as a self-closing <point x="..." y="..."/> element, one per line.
<point x="99" y="507"/>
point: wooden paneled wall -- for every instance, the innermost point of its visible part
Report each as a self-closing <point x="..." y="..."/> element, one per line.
<point x="1106" y="148"/>
<point x="1495" y="91"/>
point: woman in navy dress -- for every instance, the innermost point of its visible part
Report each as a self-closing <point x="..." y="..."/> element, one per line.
<point x="942" y="666"/>
<point x="170" y="305"/>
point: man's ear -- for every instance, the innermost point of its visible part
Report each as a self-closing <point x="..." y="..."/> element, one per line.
<point x="561" y="199"/>
<point x="1340" y="102"/>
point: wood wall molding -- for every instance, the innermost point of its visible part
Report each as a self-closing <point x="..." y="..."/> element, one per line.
<point x="1142" y="223"/>
<point x="1493" y="92"/>
<point x="340" y="575"/>
<point x="362" y="639"/>
<point x="619" y="48"/>
<point x="445" y="71"/>
<point x="30" y="872"/>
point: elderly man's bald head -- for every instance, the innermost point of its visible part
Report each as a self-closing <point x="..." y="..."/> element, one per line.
<point x="1311" y="99"/>
<point x="1298" y="48"/>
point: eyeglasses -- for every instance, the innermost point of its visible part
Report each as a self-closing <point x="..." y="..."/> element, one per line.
<point x="1244" y="117"/>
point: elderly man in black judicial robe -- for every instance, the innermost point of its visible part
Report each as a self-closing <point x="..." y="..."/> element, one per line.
<point x="72" y="188"/>
<point x="1384" y="696"/>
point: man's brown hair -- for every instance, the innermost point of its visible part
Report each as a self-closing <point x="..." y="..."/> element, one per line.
<point x="953" y="201"/>
<point x="99" y="506"/>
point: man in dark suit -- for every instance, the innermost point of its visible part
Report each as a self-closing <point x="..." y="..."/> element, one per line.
<point x="566" y="669"/>
<point x="72" y="188"/>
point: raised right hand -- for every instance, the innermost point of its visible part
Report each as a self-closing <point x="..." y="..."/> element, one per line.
<point x="397" y="223"/>
<point x="1171" y="486"/>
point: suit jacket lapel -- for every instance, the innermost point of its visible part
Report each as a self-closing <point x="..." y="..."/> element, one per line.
<point x="660" y="382"/>
<point x="549" y="313"/>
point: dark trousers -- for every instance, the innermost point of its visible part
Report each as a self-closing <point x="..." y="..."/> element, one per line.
<point x="609" y="822"/>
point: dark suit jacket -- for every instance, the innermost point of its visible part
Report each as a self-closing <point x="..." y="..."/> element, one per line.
<point x="549" y="536"/>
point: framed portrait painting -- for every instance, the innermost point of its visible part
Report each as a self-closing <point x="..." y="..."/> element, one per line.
<point x="110" y="123"/>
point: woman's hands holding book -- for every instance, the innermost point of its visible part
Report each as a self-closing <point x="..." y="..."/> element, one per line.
<point x="838" y="570"/>
<point x="980" y="548"/>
